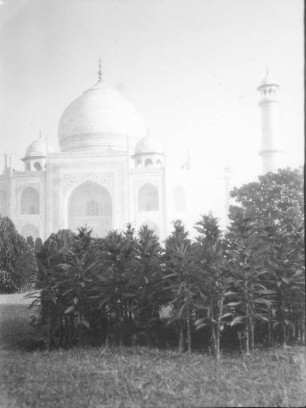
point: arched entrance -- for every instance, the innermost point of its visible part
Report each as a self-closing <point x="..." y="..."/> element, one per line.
<point x="90" y="204"/>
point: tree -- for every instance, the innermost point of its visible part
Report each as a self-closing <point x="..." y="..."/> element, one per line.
<point x="78" y="279"/>
<point x="30" y="241"/>
<point x="247" y="251"/>
<point x="17" y="261"/>
<point x="212" y="279"/>
<point x="179" y="277"/>
<point x="277" y="198"/>
<point x="276" y="202"/>
<point x="116" y="287"/>
<point x="286" y="264"/>
<point x="148" y="275"/>
<point x="55" y="328"/>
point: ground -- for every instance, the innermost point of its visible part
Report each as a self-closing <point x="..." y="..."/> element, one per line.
<point x="139" y="377"/>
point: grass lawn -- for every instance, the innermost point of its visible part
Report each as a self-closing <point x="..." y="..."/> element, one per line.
<point x="139" y="377"/>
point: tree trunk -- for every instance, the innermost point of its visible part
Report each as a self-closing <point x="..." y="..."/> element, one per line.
<point x="247" y="328"/>
<point x="284" y="334"/>
<point x="62" y="331"/>
<point x="247" y="339"/>
<point x="239" y="333"/>
<point x="80" y="339"/>
<point x="218" y="333"/>
<point x="188" y="329"/>
<point x="269" y="333"/>
<point x="181" y="337"/>
<point x="218" y="355"/>
<point x="252" y="335"/>
<point x="213" y="329"/>
<point x="302" y="325"/>
<point x="49" y="329"/>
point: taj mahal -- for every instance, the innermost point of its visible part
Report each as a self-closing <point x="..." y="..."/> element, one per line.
<point x="109" y="171"/>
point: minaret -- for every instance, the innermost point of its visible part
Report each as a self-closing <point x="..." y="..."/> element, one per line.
<point x="271" y="152"/>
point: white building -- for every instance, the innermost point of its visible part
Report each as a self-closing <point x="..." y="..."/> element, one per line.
<point x="272" y="153"/>
<point x="109" y="172"/>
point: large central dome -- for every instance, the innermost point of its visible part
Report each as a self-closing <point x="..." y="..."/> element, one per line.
<point x="100" y="119"/>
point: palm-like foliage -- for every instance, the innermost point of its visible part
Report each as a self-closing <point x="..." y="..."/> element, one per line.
<point x="76" y="282"/>
<point x="116" y="287"/>
<point x="116" y="284"/>
<point x="148" y="278"/>
<point x="212" y="279"/>
<point x="248" y="249"/>
<point x="48" y="292"/>
<point x="180" y="281"/>
<point x="286" y="265"/>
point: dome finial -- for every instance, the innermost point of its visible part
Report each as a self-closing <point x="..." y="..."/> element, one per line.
<point x="100" y="69"/>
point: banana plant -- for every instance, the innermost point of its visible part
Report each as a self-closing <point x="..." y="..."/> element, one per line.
<point x="180" y="282"/>
<point x="286" y="264"/>
<point x="251" y="298"/>
<point x="213" y="280"/>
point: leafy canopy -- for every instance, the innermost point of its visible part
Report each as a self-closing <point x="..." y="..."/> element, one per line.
<point x="274" y="199"/>
<point x="17" y="261"/>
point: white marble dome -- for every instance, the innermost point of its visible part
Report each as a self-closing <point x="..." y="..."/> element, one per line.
<point x="38" y="148"/>
<point x="268" y="80"/>
<point x="100" y="119"/>
<point x="148" y="145"/>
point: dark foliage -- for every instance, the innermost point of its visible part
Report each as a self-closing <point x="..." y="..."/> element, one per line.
<point x="17" y="260"/>
<point x="241" y="289"/>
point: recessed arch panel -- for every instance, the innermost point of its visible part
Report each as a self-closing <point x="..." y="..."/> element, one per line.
<point x="90" y="204"/>
<point x="148" y="198"/>
<point x="29" y="202"/>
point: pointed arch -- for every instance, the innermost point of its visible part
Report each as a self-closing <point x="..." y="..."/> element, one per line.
<point x="90" y="204"/>
<point x="29" y="202"/>
<point x="37" y="166"/>
<point x="29" y="230"/>
<point x="148" y="163"/>
<point x="148" y="198"/>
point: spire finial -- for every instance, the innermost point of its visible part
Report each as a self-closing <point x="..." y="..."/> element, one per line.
<point x="267" y="71"/>
<point x="40" y="133"/>
<point x="100" y="69"/>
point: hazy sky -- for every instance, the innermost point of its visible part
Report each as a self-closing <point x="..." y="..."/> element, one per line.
<point x="191" y="67"/>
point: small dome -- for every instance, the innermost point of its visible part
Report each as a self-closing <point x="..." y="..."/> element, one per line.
<point x="38" y="148"/>
<point x="148" y="145"/>
<point x="268" y="81"/>
<point x="99" y="119"/>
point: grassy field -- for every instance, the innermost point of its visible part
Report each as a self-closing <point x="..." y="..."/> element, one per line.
<point x="139" y="377"/>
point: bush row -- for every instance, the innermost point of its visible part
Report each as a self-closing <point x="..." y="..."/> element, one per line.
<point x="239" y="288"/>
